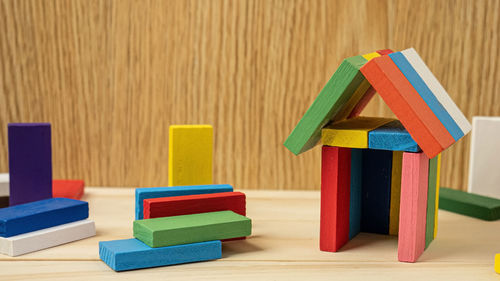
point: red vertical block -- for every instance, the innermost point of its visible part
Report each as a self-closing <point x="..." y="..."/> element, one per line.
<point x="335" y="193"/>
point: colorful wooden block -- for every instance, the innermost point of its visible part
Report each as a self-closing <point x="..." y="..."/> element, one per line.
<point x="437" y="89"/>
<point x="376" y="197"/>
<point x="431" y="201"/>
<point x="427" y="95"/>
<point x="469" y="204"/>
<point x="185" y="229"/>
<point x="45" y="238"/>
<point x="413" y="207"/>
<point x="41" y="214"/>
<point x="352" y="133"/>
<point x="355" y="192"/>
<point x="158" y="192"/>
<point x="129" y="254"/>
<point x="396" y="171"/>
<point x="385" y="52"/>
<point x="4" y="184"/>
<point x="190" y="155"/>
<point x="72" y="189"/>
<point x="438" y="177"/>
<point x="30" y="162"/>
<point x="407" y="105"/>
<point x="484" y="154"/>
<point x="194" y="204"/>
<point x="392" y="136"/>
<point x="335" y="184"/>
<point x="497" y="263"/>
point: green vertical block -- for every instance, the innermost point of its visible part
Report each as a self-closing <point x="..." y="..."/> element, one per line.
<point x="431" y="201"/>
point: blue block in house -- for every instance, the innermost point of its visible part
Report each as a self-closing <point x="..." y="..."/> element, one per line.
<point x="157" y="192"/>
<point x="392" y="136"/>
<point x="131" y="254"/>
<point x="41" y="214"/>
<point x="355" y="195"/>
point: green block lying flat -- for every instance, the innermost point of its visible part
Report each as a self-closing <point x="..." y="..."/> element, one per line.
<point x="469" y="204"/>
<point x="186" y="229"/>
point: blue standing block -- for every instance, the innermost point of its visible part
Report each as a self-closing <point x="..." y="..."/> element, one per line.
<point x="392" y="136"/>
<point x="355" y="198"/>
<point x="158" y="192"/>
<point x="131" y="254"/>
<point x="30" y="162"/>
<point x="41" y="214"/>
<point x="376" y="189"/>
<point x="427" y="95"/>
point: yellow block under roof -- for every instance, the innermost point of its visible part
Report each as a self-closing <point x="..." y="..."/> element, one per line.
<point x="351" y="133"/>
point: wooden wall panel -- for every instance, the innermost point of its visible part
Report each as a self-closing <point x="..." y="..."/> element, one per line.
<point x="111" y="76"/>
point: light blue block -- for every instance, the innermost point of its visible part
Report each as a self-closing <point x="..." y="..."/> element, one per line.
<point x="158" y="192"/>
<point x="430" y="99"/>
<point x="128" y="254"/>
<point x="392" y="136"/>
<point x="355" y="196"/>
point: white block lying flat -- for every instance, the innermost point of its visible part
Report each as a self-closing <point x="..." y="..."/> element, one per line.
<point x="4" y="184"/>
<point x="484" y="178"/>
<point x="46" y="238"/>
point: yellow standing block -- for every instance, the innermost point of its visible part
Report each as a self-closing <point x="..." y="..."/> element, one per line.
<point x="397" y="163"/>
<point x="497" y="263"/>
<point x="190" y="155"/>
<point x="351" y="133"/>
<point x="438" y="173"/>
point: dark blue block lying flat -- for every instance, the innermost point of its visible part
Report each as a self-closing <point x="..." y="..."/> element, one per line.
<point x="42" y="214"/>
<point x="392" y="136"/>
<point x="131" y="254"/>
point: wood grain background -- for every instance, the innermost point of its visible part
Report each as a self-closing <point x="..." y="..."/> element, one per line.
<point x="111" y="76"/>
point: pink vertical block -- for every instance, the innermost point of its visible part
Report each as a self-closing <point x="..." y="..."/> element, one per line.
<point x="413" y="206"/>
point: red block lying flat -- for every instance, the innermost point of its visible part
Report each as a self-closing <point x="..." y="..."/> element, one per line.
<point x="194" y="204"/>
<point x="72" y="189"/>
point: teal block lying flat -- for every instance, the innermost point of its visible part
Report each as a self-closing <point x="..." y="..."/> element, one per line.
<point x="176" y="230"/>
<point x="392" y="136"/>
<point x="469" y="204"/>
<point x="131" y="254"/>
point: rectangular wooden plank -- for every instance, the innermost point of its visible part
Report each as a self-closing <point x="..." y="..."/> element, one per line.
<point x="30" y="162"/>
<point x="46" y="238"/>
<point x="335" y="183"/>
<point x="158" y="192"/>
<point x="392" y="136"/>
<point x="355" y="192"/>
<point x="431" y="201"/>
<point x="385" y="52"/>
<point x="427" y="95"/>
<point x="190" y="149"/>
<point x="438" y="178"/>
<point x="413" y="206"/>
<point x="72" y="189"/>
<point x="407" y="105"/>
<point x="469" y="204"/>
<point x="41" y="214"/>
<point x="352" y="133"/>
<point x="497" y="263"/>
<point x="4" y="184"/>
<point x="129" y="254"/>
<point x="435" y="86"/>
<point x="194" y="204"/>
<point x="185" y="229"/>
<point x="397" y="162"/>
<point x="377" y="169"/>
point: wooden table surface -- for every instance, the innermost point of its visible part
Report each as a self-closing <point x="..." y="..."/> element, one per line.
<point x="283" y="246"/>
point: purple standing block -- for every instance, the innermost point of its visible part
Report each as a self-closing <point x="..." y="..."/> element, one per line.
<point x="30" y="162"/>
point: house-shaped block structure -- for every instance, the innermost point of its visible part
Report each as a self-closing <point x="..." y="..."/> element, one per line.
<point x="380" y="175"/>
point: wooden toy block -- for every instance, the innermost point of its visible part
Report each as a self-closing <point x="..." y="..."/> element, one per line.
<point x="377" y="169"/>
<point x="484" y="154"/>
<point x="129" y="254"/>
<point x="397" y="162"/>
<point x="4" y="184"/>
<point x="371" y="56"/>
<point x="72" y="189"/>
<point x="469" y="204"/>
<point x="413" y="206"/>
<point x="194" y="204"/>
<point x="158" y="192"/>
<point x="185" y="229"/>
<point x="4" y="201"/>
<point x="427" y="95"/>
<point x="335" y="183"/>
<point x="355" y="192"/>
<point x="190" y="155"/>
<point x="431" y="201"/>
<point x="497" y="263"/>
<point x="438" y="177"/>
<point x="46" y="238"/>
<point x="384" y="52"/>
<point x="352" y="133"/>
<point x="334" y="95"/>
<point x="437" y="89"/>
<point x="30" y="162"/>
<point x="407" y="105"/>
<point x="41" y="214"/>
<point x="392" y="136"/>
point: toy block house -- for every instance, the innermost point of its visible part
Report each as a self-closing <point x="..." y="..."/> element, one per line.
<point x="380" y="175"/>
